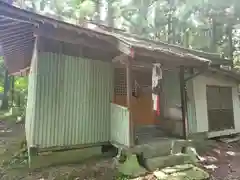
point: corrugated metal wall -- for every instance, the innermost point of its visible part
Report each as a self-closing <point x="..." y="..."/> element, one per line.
<point x="120" y="125"/>
<point x="171" y="88"/>
<point x="73" y="98"/>
<point x="192" y="121"/>
<point x="30" y="110"/>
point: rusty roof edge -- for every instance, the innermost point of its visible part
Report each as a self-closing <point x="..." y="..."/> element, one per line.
<point x="198" y="53"/>
<point x="177" y="53"/>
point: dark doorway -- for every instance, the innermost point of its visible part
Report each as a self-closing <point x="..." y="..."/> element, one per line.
<point x="220" y="108"/>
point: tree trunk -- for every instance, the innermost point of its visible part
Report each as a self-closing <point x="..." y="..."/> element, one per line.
<point x="230" y="41"/>
<point x="213" y="43"/>
<point x="110" y="14"/>
<point x="6" y="89"/>
<point x="170" y="24"/>
<point x="186" y="38"/>
<point x="12" y="89"/>
<point x="98" y="11"/>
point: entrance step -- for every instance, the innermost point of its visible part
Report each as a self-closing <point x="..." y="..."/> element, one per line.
<point x="148" y="133"/>
<point x="152" y="164"/>
<point x="156" y="155"/>
<point x="163" y="147"/>
<point x="151" y="129"/>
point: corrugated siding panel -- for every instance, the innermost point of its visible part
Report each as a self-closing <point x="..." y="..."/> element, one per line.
<point x="73" y="101"/>
<point x="30" y="110"/>
<point x="120" y="125"/>
<point x="173" y="98"/>
<point x="192" y="121"/>
<point x="171" y="88"/>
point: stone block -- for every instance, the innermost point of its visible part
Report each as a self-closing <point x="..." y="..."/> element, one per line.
<point x="167" y="161"/>
<point x="162" y="148"/>
<point x="182" y="172"/>
<point x="178" y="145"/>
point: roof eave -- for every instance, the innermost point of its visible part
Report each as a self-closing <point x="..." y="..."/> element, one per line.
<point x="162" y="56"/>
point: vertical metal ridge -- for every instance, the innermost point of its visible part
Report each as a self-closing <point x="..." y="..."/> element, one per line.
<point x="72" y="104"/>
<point x="120" y="125"/>
<point x="192" y="121"/>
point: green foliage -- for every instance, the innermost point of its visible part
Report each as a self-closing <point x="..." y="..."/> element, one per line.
<point x="17" y="95"/>
<point x="122" y="177"/>
<point x="198" y="24"/>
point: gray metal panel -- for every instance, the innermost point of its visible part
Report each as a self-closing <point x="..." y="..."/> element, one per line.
<point x="30" y="109"/>
<point x="72" y="101"/>
<point x="171" y="87"/>
<point x="191" y="109"/>
<point x="120" y="125"/>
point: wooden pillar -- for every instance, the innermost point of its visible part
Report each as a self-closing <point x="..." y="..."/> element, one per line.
<point x="129" y="100"/>
<point x="183" y="100"/>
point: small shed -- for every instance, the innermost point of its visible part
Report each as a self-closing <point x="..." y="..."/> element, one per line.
<point x="74" y="99"/>
<point x="216" y="96"/>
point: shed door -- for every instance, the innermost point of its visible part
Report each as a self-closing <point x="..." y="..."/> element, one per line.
<point x="220" y="108"/>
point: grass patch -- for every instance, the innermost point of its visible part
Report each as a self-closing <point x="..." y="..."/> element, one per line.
<point x="121" y="176"/>
<point x="9" y="115"/>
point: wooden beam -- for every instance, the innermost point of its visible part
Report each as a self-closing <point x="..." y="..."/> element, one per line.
<point x="129" y="100"/>
<point x="122" y="58"/>
<point x="75" y="38"/>
<point x="183" y="100"/>
<point x="193" y="75"/>
<point x="168" y="58"/>
<point x="124" y="47"/>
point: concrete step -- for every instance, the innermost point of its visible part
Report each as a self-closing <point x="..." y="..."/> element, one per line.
<point x="152" y="164"/>
<point x="149" y="132"/>
<point x="152" y="129"/>
<point x="163" y="147"/>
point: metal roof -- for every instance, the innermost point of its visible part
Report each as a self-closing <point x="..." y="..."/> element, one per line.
<point x="230" y="73"/>
<point x="17" y="39"/>
<point x="17" y="34"/>
<point x="160" y="47"/>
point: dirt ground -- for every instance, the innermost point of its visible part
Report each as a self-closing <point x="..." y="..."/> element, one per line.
<point x="13" y="168"/>
<point x="222" y="161"/>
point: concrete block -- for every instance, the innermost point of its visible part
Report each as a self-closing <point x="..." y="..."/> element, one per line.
<point x="178" y="145"/>
<point x="167" y="161"/>
<point x="162" y="148"/>
<point x="154" y="163"/>
<point x="178" y="159"/>
<point x="64" y="157"/>
<point x="198" y="136"/>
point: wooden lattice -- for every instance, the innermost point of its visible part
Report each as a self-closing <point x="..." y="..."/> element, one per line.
<point x="140" y="80"/>
<point x="120" y="82"/>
